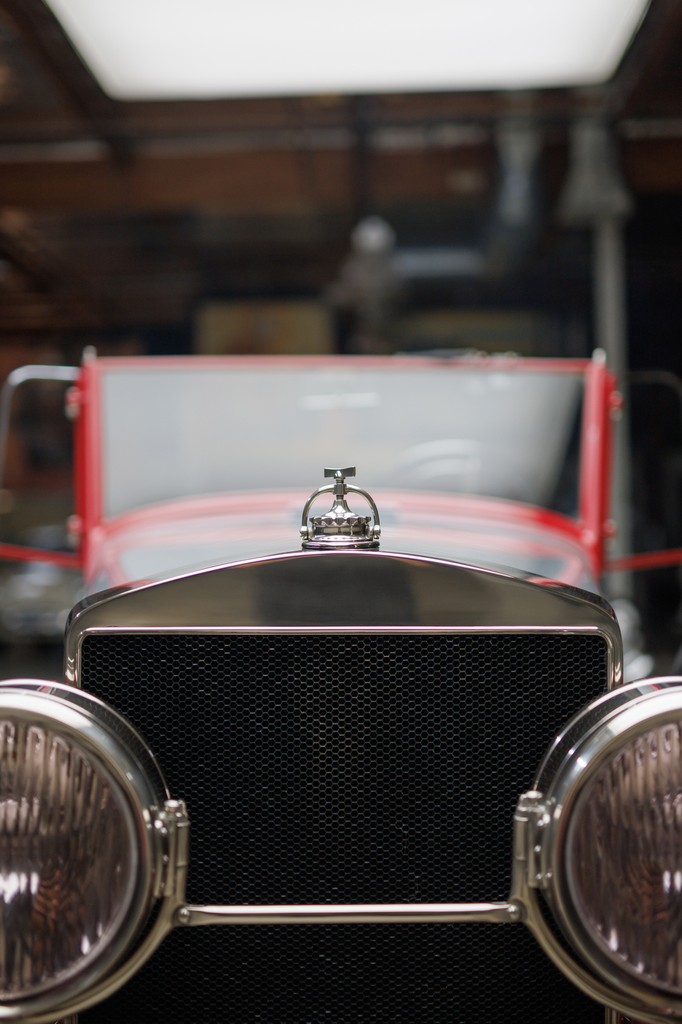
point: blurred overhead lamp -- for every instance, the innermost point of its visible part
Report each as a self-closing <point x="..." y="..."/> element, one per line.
<point x="165" y="49"/>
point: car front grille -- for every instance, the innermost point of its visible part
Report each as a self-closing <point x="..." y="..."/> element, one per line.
<point x="347" y="767"/>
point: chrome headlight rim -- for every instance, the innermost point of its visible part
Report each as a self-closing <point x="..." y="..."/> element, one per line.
<point x="589" y="742"/>
<point x="120" y="758"/>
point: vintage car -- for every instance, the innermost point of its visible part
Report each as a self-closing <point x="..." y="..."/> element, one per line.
<point x="360" y="755"/>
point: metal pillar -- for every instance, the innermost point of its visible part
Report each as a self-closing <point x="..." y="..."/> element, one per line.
<point x="595" y="197"/>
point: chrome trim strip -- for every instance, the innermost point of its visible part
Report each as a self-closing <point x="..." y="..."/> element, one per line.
<point x="73" y="651"/>
<point x="284" y="590"/>
<point x="360" y="630"/>
<point x="352" y="913"/>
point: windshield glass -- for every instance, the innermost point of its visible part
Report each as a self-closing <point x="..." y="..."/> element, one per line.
<point x="178" y="430"/>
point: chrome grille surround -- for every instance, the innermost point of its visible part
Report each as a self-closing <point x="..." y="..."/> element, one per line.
<point x="152" y="615"/>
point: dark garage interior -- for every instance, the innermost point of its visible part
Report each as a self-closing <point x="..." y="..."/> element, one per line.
<point x="340" y="511"/>
<point x="364" y="223"/>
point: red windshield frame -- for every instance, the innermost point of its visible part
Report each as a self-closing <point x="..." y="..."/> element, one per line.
<point x="592" y="525"/>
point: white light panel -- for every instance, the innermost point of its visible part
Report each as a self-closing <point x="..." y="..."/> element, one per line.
<point x="201" y="49"/>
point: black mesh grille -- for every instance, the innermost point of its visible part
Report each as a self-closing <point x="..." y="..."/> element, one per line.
<point x="347" y="768"/>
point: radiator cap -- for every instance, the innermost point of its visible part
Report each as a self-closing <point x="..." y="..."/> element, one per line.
<point x="340" y="527"/>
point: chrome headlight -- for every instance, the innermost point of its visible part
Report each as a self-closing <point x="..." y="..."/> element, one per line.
<point x="609" y="839"/>
<point x="80" y="855"/>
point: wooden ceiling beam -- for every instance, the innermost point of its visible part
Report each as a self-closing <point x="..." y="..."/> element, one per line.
<point x="191" y="119"/>
<point x="51" y="281"/>
<point x="281" y="181"/>
<point x="265" y="182"/>
<point x="303" y="122"/>
<point x="653" y="166"/>
<point x="37" y="314"/>
<point x="50" y="45"/>
<point x="644" y="85"/>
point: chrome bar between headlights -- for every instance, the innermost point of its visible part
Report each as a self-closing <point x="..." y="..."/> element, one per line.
<point x="352" y="913"/>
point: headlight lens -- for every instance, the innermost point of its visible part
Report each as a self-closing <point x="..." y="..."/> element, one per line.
<point x="611" y="847"/>
<point x="77" y="864"/>
<point x="67" y="863"/>
<point x="624" y="857"/>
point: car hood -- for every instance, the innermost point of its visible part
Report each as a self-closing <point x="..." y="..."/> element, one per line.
<point x="167" y="539"/>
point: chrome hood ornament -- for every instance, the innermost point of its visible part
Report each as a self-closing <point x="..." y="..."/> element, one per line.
<point x="340" y="527"/>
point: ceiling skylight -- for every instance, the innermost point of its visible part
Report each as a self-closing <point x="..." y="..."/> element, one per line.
<point x="199" y="49"/>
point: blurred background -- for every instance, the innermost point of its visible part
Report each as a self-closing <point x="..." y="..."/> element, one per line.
<point x="380" y="179"/>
